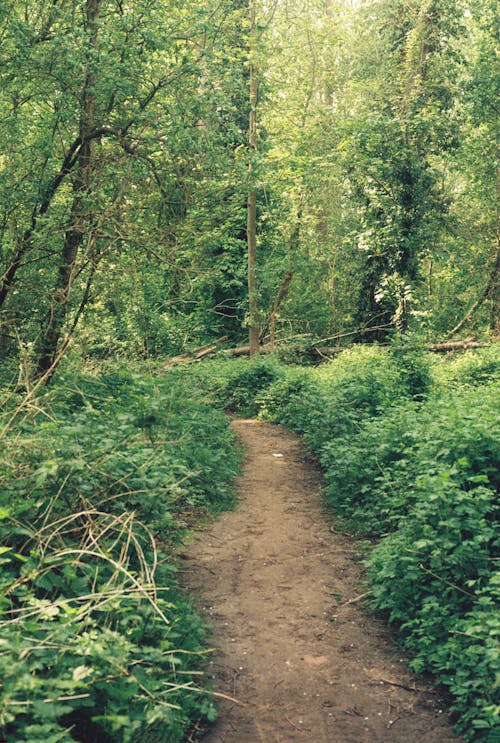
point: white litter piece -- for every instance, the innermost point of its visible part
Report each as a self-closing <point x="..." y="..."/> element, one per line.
<point x="278" y="455"/>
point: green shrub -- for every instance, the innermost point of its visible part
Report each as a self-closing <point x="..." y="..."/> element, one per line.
<point x="286" y="399"/>
<point x="414" y="366"/>
<point x="89" y="646"/>
<point x="241" y="393"/>
<point x="372" y="472"/>
<point x="435" y="577"/>
<point x="331" y="400"/>
<point x="235" y="384"/>
<point x="97" y="478"/>
<point x="418" y="461"/>
<point x="479" y="367"/>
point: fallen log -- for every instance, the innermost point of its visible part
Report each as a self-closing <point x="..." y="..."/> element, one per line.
<point x="245" y="350"/>
<point x="326" y="352"/>
<point x="267" y="347"/>
<point x="444" y="347"/>
<point x="321" y="352"/>
<point x="240" y="351"/>
<point x="196" y="354"/>
<point x="455" y="345"/>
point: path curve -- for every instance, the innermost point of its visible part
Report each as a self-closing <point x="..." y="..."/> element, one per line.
<point x="275" y="582"/>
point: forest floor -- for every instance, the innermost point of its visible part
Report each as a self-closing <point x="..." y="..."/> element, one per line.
<point x="293" y="645"/>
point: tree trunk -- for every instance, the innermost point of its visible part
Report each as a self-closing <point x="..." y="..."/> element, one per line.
<point x="455" y="345"/>
<point x="10" y="274"/>
<point x="493" y="292"/>
<point x="79" y="217"/>
<point x="253" y="300"/>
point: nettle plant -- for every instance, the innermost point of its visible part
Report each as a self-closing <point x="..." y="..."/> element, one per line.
<point x="409" y="447"/>
<point x="98" y="478"/>
<point x="436" y="578"/>
<point x="95" y="641"/>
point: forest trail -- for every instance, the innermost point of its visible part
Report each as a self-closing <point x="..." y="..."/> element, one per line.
<point x="275" y="583"/>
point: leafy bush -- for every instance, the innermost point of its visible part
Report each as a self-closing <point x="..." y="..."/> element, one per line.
<point x="477" y="368"/>
<point x="92" y="640"/>
<point x="332" y="400"/>
<point x="414" y="366"/>
<point x="435" y="578"/>
<point x="96" y="641"/>
<point x="372" y="472"/>
<point x="244" y="387"/>
<point x="418" y="461"/>
<point x="236" y="384"/>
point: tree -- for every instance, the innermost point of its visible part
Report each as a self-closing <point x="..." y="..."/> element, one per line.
<point x="107" y="102"/>
<point x="397" y="155"/>
<point x="80" y="220"/>
<point x="253" y="301"/>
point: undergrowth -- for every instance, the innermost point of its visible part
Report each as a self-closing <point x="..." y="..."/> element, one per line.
<point x="409" y="447"/>
<point x="99" y="478"/>
<point x="96" y="642"/>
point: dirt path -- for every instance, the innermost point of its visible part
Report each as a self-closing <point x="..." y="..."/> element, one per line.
<point x="275" y="582"/>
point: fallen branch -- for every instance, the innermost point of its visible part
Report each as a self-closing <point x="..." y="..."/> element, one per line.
<point x="196" y="354"/>
<point x="448" y="583"/>
<point x="302" y="729"/>
<point x="382" y="680"/>
<point x="356" y="599"/>
<point x="220" y="695"/>
<point x="359" y="331"/>
<point x="326" y="352"/>
<point x="401" y="686"/>
<point x="455" y="345"/>
<point x="322" y="352"/>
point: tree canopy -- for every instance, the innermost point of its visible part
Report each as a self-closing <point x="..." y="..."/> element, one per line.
<point x="137" y="137"/>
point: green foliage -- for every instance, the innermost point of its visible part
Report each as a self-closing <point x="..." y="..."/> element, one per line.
<point x="409" y="447"/>
<point x="244" y="387"/>
<point x="373" y="473"/>
<point x="163" y="199"/>
<point x="237" y="384"/>
<point x="436" y="578"/>
<point x="331" y="399"/>
<point x="414" y="366"/>
<point x="97" y="480"/>
<point x="377" y="194"/>
<point x="471" y="369"/>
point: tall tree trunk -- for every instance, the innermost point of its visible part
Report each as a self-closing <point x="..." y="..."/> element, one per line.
<point x="493" y="293"/>
<point x="253" y="300"/>
<point x="79" y="216"/>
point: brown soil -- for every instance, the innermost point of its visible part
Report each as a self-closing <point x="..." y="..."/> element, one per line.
<point x="293" y="642"/>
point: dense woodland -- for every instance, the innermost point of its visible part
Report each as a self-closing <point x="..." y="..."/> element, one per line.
<point x="357" y="140"/>
<point x="295" y="175"/>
